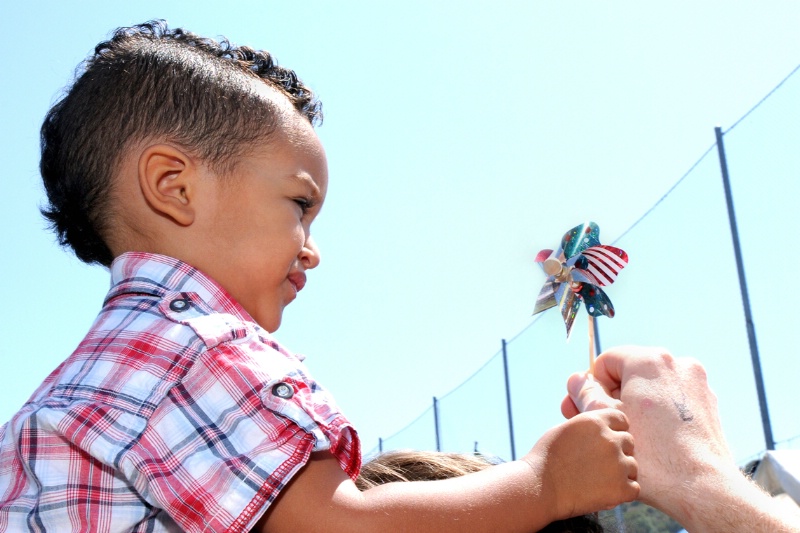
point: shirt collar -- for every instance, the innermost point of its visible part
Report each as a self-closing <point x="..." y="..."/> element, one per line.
<point x="159" y="275"/>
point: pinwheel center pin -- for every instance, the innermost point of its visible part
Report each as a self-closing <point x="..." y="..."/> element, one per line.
<point x="554" y="267"/>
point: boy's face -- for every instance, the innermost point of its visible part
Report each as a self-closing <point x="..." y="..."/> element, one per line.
<point x="258" y="220"/>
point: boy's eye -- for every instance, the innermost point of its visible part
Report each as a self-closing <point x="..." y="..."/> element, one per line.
<point x="304" y="203"/>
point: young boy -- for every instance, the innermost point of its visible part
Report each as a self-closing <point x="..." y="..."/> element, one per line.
<point x="191" y="169"/>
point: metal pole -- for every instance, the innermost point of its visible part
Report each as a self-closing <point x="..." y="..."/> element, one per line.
<point x="380" y="445"/>
<point x="751" y="330"/>
<point x="597" y="349"/>
<point x="618" y="515"/>
<point x="508" y="403"/>
<point x="436" y="423"/>
<point x="620" y="518"/>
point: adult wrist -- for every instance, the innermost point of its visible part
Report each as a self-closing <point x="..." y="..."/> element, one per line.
<point x="725" y="500"/>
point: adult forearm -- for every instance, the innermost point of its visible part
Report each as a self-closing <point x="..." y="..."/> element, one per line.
<point x="726" y="501"/>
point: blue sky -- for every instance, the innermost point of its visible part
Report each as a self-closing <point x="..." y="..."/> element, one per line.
<point x="462" y="138"/>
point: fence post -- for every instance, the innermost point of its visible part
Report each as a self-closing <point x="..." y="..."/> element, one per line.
<point x="598" y="349"/>
<point x="751" y="330"/>
<point x="508" y="403"/>
<point x="436" y="423"/>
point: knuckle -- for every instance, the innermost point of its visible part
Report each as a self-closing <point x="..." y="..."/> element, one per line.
<point x="593" y="421"/>
<point x="665" y="357"/>
<point x="695" y="368"/>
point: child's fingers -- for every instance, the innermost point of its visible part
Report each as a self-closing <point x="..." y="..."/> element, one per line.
<point x="633" y="467"/>
<point x="627" y="444"/>
<point x="613" y="418"/>
<point x="633" y="490"/>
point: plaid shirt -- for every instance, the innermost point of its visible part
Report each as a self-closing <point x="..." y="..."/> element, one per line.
<point x="176" y="412"/>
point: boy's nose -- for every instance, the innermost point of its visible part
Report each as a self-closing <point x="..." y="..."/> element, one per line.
<point x="309" y="255"/>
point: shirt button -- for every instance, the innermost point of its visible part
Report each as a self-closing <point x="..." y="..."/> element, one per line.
<point x="179" y="305"/>
<point x="282" y="390"/>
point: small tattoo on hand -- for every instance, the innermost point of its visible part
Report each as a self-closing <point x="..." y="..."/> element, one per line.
<point x="683" y="411"/>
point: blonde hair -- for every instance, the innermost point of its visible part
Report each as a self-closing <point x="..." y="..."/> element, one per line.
<point x="412" y="465"/>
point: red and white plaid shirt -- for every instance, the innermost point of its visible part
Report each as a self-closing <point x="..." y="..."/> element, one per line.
<point x="176" y="412"/>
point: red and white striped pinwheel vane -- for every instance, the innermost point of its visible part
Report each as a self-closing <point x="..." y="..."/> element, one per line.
<point x="576" y="271"/>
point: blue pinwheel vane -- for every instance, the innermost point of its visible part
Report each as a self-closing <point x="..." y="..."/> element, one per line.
<point x="575" y="273"/>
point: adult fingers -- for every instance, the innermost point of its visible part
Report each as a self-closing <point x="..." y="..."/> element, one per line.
<point x="587" y="394"/>
<point x="615" y="366"/>
<point x="568" y="408"/>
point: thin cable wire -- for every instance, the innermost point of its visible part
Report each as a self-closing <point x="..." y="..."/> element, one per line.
<point x="789" y="441"/>
<point x="492" y="358"/>
<point x="396" y="433"/>
<point x="523" y="330"/>
<point x="784" y="80"/>
<point x="664" y="197"/>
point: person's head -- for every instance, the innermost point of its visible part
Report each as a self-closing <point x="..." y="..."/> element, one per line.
<point x="171" y="143"/>
<point x="412" y="465"/>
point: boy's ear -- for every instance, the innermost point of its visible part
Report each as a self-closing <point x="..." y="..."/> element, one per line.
<point x="167" y="179"/>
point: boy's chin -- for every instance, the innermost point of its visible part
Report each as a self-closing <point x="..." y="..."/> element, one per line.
<point x="271" y="323"/>
<point x="269" y="316"/>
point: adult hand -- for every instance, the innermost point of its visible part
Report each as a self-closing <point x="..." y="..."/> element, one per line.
<point x="685" y="466"/>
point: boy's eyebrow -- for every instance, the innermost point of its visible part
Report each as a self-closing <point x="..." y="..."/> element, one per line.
<point x="305" y="179"/>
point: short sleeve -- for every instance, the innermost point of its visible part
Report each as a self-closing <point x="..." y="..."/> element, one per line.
<point x="228" y="437"/>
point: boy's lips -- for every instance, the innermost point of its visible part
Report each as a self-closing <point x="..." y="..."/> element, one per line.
<point x="298" y="280"/>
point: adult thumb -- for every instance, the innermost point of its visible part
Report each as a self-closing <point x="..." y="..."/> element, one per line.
<point x="588" y="394"/>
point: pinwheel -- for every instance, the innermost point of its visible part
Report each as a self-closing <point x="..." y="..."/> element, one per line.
<point x="576" y="271"/>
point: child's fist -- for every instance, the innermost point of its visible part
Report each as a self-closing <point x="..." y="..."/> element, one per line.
<point x="586" y="464"/>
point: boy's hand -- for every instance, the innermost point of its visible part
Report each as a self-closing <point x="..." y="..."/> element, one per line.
<point x="587" y="464"/>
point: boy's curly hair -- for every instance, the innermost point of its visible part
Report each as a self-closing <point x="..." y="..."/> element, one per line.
<point x="152" y="81"/>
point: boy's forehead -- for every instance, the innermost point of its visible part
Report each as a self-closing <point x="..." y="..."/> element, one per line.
<point x="293" y="137"/>
<point x="293" y="124"/>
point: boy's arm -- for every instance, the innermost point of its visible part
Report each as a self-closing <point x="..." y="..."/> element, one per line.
<point x="581" y="466"/>
<point x="685" y="466"/>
